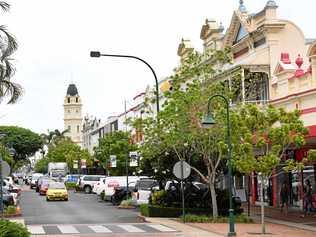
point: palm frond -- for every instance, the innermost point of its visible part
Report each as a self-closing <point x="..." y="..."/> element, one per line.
<point x="4" y="6"/>
<point x="10" y="45"/>
<point x="11" y="90"/>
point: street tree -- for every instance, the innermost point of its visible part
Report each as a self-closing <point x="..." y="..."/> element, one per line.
<point x="25" y="142"/>
<point x="116" y="143"/>
<point x="8" y="89"/>
<point x="266" y="134"/>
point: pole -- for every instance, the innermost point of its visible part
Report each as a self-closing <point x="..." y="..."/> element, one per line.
<point x="126" y="161"/>
<point x="1" y="191"/>
<point x="263" y="227"/>
<point x="249" y="180"/>
<point x="147" y="64"/>
<point x="182" y="192"/>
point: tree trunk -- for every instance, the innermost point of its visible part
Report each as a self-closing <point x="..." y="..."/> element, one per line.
<point x="214" y="201"/>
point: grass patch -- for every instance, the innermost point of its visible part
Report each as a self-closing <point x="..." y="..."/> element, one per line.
<point x="12" y="229"/>
<point x="70" y="186"/>
<point x="10" y="210"/>
<point x="242" y="218"/>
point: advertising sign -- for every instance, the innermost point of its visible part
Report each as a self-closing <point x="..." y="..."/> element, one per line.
<point x="75" y="164"/>
<point x="83" y="163"/>
<point x="133" y="159"/>
<point x="112" y="161"/>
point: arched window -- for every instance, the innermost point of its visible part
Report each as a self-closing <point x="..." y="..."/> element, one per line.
<point x="68" y="100"/>
<point x="78" y="128"/>
<point x="77" y="99"/>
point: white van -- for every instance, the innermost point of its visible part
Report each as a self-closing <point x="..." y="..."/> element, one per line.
<point x="111" y="182"/>
<point x="143" y="190"/>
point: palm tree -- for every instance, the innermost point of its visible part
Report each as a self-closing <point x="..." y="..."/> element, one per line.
<point x="8" y="46"/>
<point x="53" y="137"/>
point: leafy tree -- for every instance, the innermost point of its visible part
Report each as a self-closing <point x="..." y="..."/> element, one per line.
<point x="25" y="142"/>
<point x="8" y="89"/>
<point x="117" y="143"/>
<point x="52" y="137"/>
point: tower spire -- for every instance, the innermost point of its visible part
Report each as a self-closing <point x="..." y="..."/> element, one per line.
<point x="242" y="7"/>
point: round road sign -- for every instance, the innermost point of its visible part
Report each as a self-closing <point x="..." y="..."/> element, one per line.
<point x="186" y="169"/>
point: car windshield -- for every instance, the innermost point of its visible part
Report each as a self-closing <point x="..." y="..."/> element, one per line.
<point x="57" y="186"/>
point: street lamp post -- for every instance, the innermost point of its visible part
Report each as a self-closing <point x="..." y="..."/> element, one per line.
<point x="97" y="54"/>
<point x="208" y="121"/>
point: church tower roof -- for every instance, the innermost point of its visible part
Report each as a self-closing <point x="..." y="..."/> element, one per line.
<point x="72" y="90"/>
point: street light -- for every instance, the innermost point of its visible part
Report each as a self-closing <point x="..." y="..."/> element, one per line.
<point x="207" y="122"/>
<point x="97" y="54"/>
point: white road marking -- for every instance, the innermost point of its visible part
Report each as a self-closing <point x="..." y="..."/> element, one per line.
<point x="131" y="228"/>
<point x="68" y="229"/>
<point x="99" y="229"/>
<point x="36" y="230"/>
<point x="161" y="228"/>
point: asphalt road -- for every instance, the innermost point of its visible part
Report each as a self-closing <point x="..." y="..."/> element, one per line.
<point x="80" y="209"/>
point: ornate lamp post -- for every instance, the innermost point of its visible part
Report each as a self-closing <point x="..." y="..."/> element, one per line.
<point x="207" y="122"/>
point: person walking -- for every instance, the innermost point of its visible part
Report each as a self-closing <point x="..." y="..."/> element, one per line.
<point x="307" y="198"/>
<point x="284" y="196"/>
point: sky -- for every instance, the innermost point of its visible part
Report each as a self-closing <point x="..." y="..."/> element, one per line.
<point x="56" y="36"/>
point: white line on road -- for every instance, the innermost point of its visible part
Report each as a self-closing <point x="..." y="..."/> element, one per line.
<point x="161" y="228"/>
<point x="68" y="229"/>
<point x="130" y="228"/>
<point x="35" y="230"/>
<point x="99" y="229"/>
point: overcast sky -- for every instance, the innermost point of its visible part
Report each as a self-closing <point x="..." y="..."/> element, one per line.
<point x="56" y="36"/>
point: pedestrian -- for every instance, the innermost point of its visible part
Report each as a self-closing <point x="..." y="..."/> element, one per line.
<point x="307" y="197"/>
<point x="284" y="195"/>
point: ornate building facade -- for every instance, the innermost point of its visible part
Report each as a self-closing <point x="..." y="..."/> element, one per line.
<point x="73" y="114"/>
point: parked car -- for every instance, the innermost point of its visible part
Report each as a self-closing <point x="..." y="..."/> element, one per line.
<point x="8" y="199"/>
<point x="34" y="179"/>
<point x="86" y="182"/>
<point x="56" y="191"/>
<point x="112" y="182"/>
<point x="44" y="186"/>
<point x="9" y="179"/>
<point x="97" y="186"/>
<point x="143" y="190"/>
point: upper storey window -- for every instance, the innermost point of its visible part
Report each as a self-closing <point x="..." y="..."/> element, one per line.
<point x="77" y="100"/>
<point x="242" y="33"/>
<point x="68" y="99"/>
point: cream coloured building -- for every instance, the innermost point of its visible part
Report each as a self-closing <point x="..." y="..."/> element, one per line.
<point x="73" y="114"/>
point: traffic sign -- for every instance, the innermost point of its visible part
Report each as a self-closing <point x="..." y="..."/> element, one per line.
<point x="5" y="169"/>
<point x="133" y="158"/>
<point x="112" y="161"/>
<point x="182" y="169"/>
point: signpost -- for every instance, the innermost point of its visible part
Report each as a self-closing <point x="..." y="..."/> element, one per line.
<point x="112" y="161"/>
<point x="133" y="159"/>
<point x="182" y="170"/>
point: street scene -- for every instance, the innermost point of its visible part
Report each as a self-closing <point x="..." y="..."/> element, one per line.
<point x="161" y="118"/>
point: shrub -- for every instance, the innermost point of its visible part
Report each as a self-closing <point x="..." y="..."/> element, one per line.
<point x="144" y="209"/>
<point x="158" y="198"/>
<point x="12" y="229"/>
<point x="127" y="203"/>
<point x="221" y="219"/>
<point x="70" y="185"/>
<point x="10" y="210"/>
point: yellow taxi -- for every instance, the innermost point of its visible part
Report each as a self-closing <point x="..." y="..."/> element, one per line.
<point x="56" y="191"/>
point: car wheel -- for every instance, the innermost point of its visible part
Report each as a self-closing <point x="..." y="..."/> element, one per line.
<point x="66" y="199"/>
<point x="87" y="189"/>
<point x="47" y="199"/>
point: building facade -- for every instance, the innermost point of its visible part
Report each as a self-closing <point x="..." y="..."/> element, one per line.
<point x="73" y="114"/>
<point x="273" y="63"/>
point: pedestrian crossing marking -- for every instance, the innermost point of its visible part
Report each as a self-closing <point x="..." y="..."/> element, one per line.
<point x="36" y="230"/>
<point x="99" y="229"/>
<point x="131" y="228"/>
<point x="68" y="229"/>
<point x="161" y="228"/>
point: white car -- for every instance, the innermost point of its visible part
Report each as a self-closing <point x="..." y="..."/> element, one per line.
<point x="9" y="179"/>
<point x="97" y="186"/>
<point x="86" y="182"/>
<point x="143" y="190"/>
<point x="115" y="181"/>
<point x="34" y="179"/>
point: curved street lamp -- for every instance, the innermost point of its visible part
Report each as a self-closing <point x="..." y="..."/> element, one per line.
<point x="97" y="54"/>
<point x="207" y="122"/>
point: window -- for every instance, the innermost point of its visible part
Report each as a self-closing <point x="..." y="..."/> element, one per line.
<point x="69" y="128"/>
<point x="77" y="100"/>
<point x="68" y="100"/>
<point x="68" y="111"/>
<point x="78" y="128"/>
<point x="242" y="33"/>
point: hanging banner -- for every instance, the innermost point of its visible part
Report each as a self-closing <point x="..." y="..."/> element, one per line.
<point x="112" y="161"/>
<point x="133" y="159"/>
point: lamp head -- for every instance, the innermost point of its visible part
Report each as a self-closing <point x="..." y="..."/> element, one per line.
<point x="95" y="54"/>
<point x="208" y="121"/>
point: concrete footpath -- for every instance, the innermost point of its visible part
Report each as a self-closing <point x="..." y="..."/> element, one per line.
<point x="280" y="229"/>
